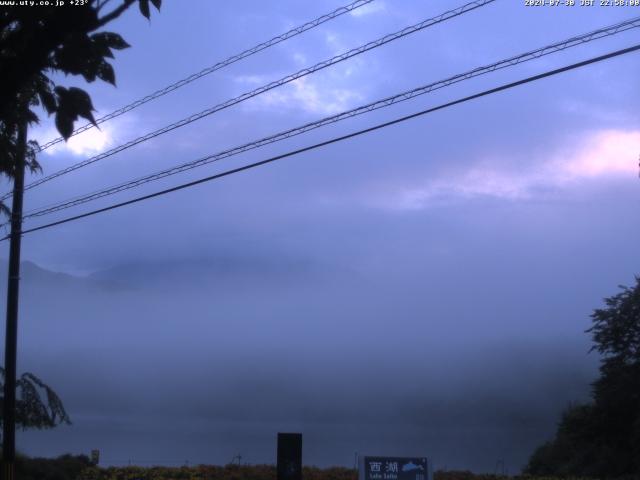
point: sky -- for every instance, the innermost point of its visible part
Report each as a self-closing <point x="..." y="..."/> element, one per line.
<point x="419" y="290"/>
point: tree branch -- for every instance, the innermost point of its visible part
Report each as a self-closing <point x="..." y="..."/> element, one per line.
<point x="115" y="13"/>
<point x="102" y="4"/>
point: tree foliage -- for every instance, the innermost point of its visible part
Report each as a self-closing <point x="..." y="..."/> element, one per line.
<point x="603" y="438"/>
<point x="38" y="42"/>
<point x="65" y="467"/>
<point x="37" y="405"/>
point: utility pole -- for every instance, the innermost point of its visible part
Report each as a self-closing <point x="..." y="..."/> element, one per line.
<point x="11" y="338"/>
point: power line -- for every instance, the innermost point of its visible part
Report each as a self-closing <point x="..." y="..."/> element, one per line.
<point x="339" y="139"/>
<point x="224" y="63"/>
<point x="289" y="78"/>
<point x="401" y="97"/>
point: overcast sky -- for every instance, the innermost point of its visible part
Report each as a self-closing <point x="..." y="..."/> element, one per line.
<point x="420" y="290"/>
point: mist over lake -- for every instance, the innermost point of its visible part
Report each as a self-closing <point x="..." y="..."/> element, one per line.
<point x="423" y="289"/>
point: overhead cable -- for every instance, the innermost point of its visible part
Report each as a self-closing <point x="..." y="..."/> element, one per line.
<point x="378" y="104"/>
<point x="224" y="63"/>
<point x="338" y="139"/>
<point x="265" y="88"/>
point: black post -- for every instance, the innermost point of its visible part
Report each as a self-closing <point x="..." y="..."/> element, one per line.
<point x="11" y="338"/>
<point x="289" y="456"/>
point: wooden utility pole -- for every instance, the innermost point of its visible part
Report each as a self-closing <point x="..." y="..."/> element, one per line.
<point x="11" y="338"/>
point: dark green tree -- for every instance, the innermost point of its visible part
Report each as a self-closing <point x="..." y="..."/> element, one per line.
<point x="37" y="405"/>
<point x="616" y="394"/>
<point x="603" y="438"/>
<point x="39" y="42"/>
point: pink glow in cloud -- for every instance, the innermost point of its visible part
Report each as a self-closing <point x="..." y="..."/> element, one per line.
<point x="596" y="156"/>
<point x="609" y="152"/>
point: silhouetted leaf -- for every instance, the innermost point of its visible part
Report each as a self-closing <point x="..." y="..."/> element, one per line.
<point x="84" y="55"/>
<point x="72" y="102"/>
<point x="101" y="49"/>
<point x="106" y="73"/>
<point x="111" y="40"/>
<point x="82" y="103"/>
<point x="48" y="101"/>
<point x="45" y="42"/>
<point x="73" y="55"/>
<point x="144" y="8"/>
<point x="64" y="124"/>
<point x="31" y="117"/>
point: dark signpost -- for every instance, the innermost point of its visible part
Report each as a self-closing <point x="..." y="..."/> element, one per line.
<point x="394" y="468"/>
<point x="289" y="456"/>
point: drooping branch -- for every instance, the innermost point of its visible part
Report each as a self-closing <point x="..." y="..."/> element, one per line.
<point x="31" y="410"/>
